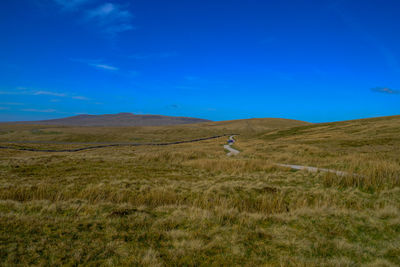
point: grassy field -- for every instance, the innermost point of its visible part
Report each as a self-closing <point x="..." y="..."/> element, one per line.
<point x="38" y="133"/>
<point x="191" y="205"/>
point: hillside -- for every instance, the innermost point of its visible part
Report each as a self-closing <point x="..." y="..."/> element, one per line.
<point x="364" y="145"/>
<point x="56" y="133"/>
<point x="254" y="125"/>
<point x="120" y="119"/>
<point x="192" y="205"/>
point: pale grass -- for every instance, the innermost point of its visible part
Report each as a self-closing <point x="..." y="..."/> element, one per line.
<point x="190" y="205"/>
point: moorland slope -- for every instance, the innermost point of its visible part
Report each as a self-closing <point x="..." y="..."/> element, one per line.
<point x="192" y="205"/>
<point x="10" y="132"/>
<point x="120" y="119"/>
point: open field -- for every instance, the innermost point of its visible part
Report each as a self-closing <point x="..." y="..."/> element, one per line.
<point x="190" y="204"/>
<point x="46" y="133"/>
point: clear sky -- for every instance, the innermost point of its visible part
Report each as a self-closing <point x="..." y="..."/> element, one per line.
<point x="216" y="59"/>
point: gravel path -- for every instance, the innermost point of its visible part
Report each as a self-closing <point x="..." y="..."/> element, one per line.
<point x="233" y="151"/>
<point x="311" y="169"/>
<point x="228" y="147"/>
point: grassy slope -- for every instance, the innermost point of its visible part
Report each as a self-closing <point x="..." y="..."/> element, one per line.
<point x="189" y="204"/>
<point x="366" y="147"/>
<point x="138" y="134"/>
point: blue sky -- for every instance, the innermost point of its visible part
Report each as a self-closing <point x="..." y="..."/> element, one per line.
<point x="309" y="60"/>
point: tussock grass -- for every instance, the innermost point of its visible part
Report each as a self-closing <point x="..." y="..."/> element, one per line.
<point x="233" y="166"/>
<point x="371" y="176"/>
<point x="191" y="205"/>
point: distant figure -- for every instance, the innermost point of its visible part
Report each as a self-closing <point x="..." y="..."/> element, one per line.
<point x="231" y="141"/>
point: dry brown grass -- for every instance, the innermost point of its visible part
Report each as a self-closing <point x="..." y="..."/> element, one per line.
<point x="46" y="133"/>
<point x="191" y="205"/>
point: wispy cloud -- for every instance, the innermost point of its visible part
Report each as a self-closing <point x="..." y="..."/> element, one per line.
<point x="41" y="93"/>
<point x="111" y="18"/>
<point x="4" y="108"/>
<point x="104" y="66"/>
<point x="39" y="110"/>
<point x="385" y="90"/>
<point x="80" y="97"/>
<point x="109" y="11"/>
<point x="97" y="63"/>
<point x="49" y="93"/>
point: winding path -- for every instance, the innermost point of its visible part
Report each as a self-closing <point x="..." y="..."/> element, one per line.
<point x="228" y="147"/>
<point x="233" y="151"/>
<point x="311" y="169"/>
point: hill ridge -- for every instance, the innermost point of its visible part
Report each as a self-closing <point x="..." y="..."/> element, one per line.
<point x="118" y="119"/>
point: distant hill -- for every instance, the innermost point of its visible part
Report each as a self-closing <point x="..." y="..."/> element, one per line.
<point x="120" y="119"/>
<point x="70" y="130"/>
<point x="254" y="125"/>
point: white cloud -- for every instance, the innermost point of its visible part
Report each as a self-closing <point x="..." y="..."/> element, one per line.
<point x="80" y="98"/>
<point x="109" y="11"/>
<point x="104" y="66"/>
<point x="102" y="11"/>
<point x="108" y="17"/>
<point x="385" y="90"/>
<point x="39" y="110"/>
<point x="95" y="63"/>
<point x="49" y="93"/>
<point x="111" y="18"/>
<point x="40" y="93"/>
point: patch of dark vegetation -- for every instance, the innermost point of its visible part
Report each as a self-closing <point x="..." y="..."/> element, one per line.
<point x="126" y="212"/>
<point x="40" y="132"/>
<point x="288" y="132"/>
<point x="267" y="189"/>
<point x="6" y="132"/>
<point x="367" y="142"/>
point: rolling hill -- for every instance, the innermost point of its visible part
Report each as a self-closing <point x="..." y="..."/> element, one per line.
<point x="120" y="119"/>
<point x="190" y="204"/>
<point x="63" y="130"/>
